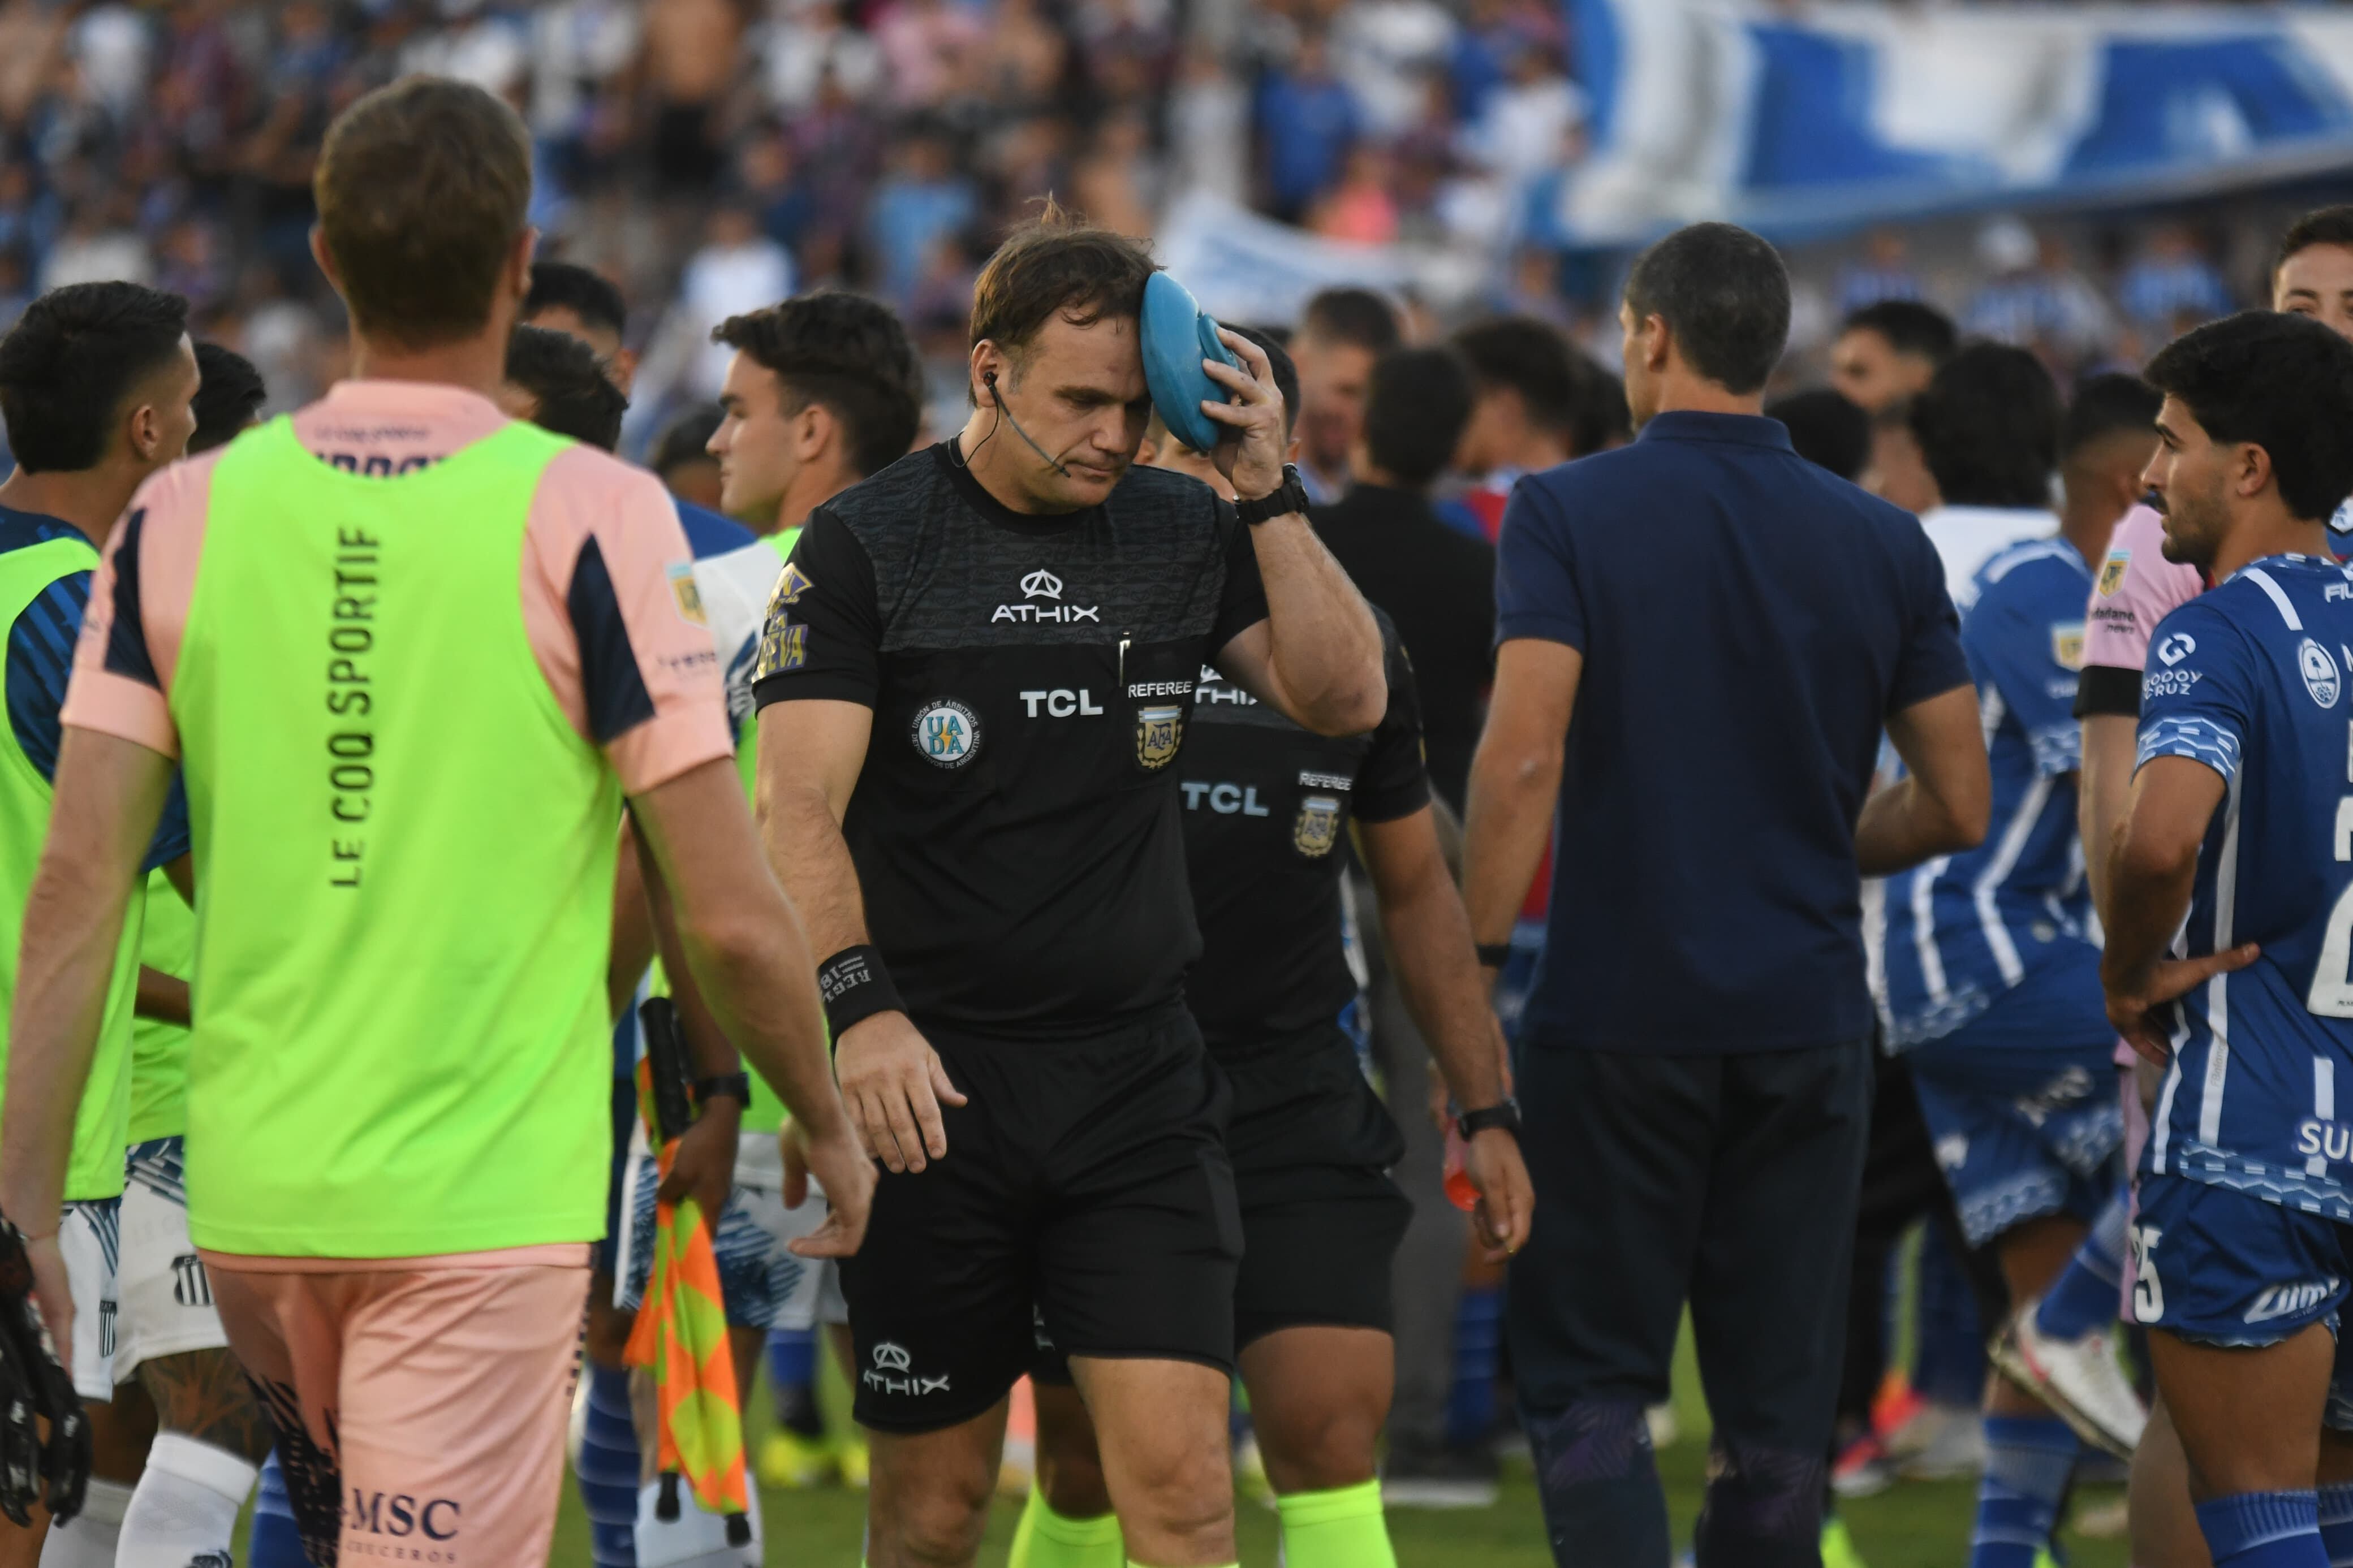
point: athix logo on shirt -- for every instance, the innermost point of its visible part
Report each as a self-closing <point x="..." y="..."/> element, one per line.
<point x="1043" y="585"/>
<point x="894" y="1373"/>
<point x="2173" y="649"/>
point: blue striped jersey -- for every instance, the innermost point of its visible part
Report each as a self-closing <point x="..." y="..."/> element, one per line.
<point x="2251" y="679"/>
<point x="39" y="666"/>
<point x="1960" y="929"/>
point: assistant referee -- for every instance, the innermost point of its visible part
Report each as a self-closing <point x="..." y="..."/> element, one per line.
<point x="1702" y="637"/>
<point x="975" y="684"/>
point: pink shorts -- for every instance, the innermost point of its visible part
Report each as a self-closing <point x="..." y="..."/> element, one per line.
<point x="420" y="1402"/>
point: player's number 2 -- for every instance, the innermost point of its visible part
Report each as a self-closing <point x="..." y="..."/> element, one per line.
<point x="2331" y="995"/>
<point x="2149" y="1296"/>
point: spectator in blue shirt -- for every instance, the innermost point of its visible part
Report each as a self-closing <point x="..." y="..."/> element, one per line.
<point x="1307" y="122"/>
<point x="1702" y="638"/>
<point x="921" y="201"/>
<point x="2171" y="280"/>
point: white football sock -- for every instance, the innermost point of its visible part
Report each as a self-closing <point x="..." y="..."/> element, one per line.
<point x="88" y="1539"/>
<point x="186" y="1507"/>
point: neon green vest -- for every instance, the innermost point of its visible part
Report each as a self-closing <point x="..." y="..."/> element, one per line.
<point x="94" y="1170"/>
<point x="404" y="869"/>
<point x="159" y="1051"/>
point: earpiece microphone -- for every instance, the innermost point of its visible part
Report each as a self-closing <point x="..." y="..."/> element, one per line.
<point x="988" y="379"/>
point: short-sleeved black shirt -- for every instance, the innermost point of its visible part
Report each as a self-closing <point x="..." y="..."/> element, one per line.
<point x="1267" y="808"/>
<point x="1015" y="826"/>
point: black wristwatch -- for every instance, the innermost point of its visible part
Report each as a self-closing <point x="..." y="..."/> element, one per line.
<point x="1504" y="1114"/>
<point x="734" y="1086"/>
<point x="1292" y="497"/>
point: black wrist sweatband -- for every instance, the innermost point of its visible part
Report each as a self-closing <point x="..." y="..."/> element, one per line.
<point x="854" y="987"/>
<point x="1495" y="955"/>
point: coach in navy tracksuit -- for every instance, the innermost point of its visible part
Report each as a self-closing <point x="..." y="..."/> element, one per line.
<point x="1702" y="637"/>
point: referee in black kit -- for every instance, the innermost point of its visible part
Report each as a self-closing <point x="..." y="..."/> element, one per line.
<point x="975" y="683"/>
<point x="1702" y="637"/>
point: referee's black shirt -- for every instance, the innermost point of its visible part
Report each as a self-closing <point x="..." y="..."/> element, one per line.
<point x="1267" y="809"/>
<point x="1015" y="826"/>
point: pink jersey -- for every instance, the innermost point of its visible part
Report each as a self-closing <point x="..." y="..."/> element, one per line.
<point x="389" y="428"/>
<point x="2136" y="587"/>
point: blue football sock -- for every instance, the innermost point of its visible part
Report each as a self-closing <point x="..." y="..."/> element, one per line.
<point x="1598" y="1482"/>
<point x="1948" y="1362"/>
<point x="2263" y="1529"/>
<point x="607" y="1468"/>
<point x="275" y="1542"/>
<point x="2336" y="1523"/>
<point x="2028" y="1461"/>
<point x="2086" y="1296"/>
<point x="1478" y="1356"/>
<point x="792" y="1380"/>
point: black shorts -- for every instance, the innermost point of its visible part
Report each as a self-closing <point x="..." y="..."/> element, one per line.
<point x="1321" y="1219"/>
<point x="1086" y="1195"/>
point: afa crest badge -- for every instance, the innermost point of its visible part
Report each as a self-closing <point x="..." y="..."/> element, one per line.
<point x="2067" y="646"/>
<point x="1317" y="826"/>
<point x="685" y="594"/>
<point x="1159" y="731"/>
<point x="2112" y="572"/>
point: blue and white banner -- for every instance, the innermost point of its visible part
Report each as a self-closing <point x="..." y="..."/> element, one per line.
<point x="1789" y="118"/>
<point x="1244" y="267"/>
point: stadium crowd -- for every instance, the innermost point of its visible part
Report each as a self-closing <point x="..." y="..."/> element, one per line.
<point x="707" y="154"/>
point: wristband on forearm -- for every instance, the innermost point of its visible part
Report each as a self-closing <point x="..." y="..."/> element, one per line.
<point x="855" y="986"/>
<point x="1494" y="954"/>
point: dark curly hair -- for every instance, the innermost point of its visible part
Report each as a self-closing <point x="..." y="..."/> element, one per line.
<point x="2279" y="381"/>
<point x="229" y="398"/>
<point x="563" y="374"/>
<point x="848" y="354"/>
<point x="1987" y="426"/>
<point x="69" y="362"/>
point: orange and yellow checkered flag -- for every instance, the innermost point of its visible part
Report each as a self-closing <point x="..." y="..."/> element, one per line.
<point x="682" y="1335"/>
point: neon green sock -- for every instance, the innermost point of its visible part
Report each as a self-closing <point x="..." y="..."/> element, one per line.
<point x="1045" y="1539"/>
<point x="1338" y="1529"/>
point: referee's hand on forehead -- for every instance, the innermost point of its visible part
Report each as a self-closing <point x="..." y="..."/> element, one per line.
<point x="1252" y="453"/>
<point x="893" y="1084"/>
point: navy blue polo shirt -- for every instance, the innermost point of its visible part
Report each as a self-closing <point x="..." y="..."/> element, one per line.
<point x="1748" y="622"/>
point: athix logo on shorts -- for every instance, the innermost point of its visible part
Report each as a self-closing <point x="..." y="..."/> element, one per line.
<point x="2290" y="1300"/>
<point x="1043" y="585"/>
<point x="894" y="1373"/>
<point x="947" y="732"/>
